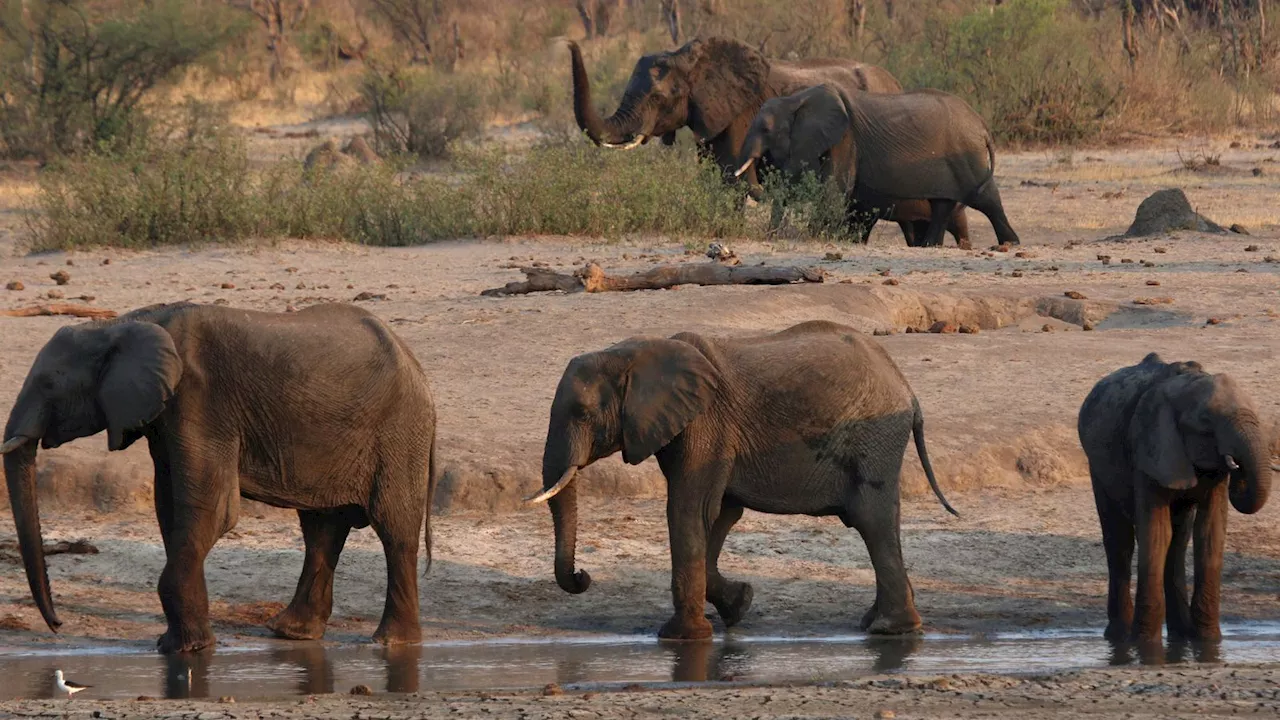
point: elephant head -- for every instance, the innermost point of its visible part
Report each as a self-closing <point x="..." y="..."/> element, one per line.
<point x="635" y="396"/>
<point x="1195" y="422"/>
<point x="115" y="376"/>
<point x="794" y="132"/>
<point x="703" y="85"/>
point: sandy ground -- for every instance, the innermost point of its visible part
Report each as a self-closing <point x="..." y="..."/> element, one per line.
<point x="1000" y="408"/>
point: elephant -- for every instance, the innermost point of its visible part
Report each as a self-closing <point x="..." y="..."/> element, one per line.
<point x="1168" y="445"/>
<point x="712" y="86"/>
<point x="324" y="410"/>
<point x="885" y="149"/>
<point x="811" y="420"/>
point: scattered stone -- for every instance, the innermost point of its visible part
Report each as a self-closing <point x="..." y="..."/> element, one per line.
<point x="552" y="689"/>
<point x="883" y="331"/>
<point x="1126" y="261"/>
<point x="1075" y="295"/>
<point x="1257" y="172"/>
<point x="1047" y="328"/>
<point x="1168" y="210"/>
<point x="291" y="269"/>
<point x="229" y="700"/>
<point x="1016" y="273"/>
<point x="1213" y="321"/>
<point x="942" y="326"/>
<point x="70" y="262"/>
<point x="1234" y="144"/>
<point x="890" y="281"/>
<point x="969" y="329"/>
<point x="1148" y="263"/>
<point x="15" y="285"/>
<point x="1159" y="250"/>
<point x="1239" y="229"/>
<point x="76" y="547"/>
<point x="1002" y="248"/>
<point x="62" y="277"/>
<point x="277" y="286"/>
<point x="886" y="272"/>
<point x="1087" y="327"/>
<point x="366" y="295"/>
<point x="1153" y="301"/>
<point x="360" y="690"/>
<point x="300" y="286"/>
<point x="1153" y="283"/>
<point x="885" y="714"/>
<point x="833" y="257"/>
<point x="221" y="301"/>
<point x="228" y="286"/>
<point x="1024" y="254"/>
<point x="55" y="294"/>
<point x="106" y="261"/>
<point x="1271" y="259"/>
<point x="290" y="308"/>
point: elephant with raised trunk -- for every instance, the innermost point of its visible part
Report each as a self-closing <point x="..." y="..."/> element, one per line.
<point x="813" y="420"/>
<point x="1169" y="445"/>
<point x="885" y="149"/>
<point x="323" y="410"/>
<point x="712" y="86"/>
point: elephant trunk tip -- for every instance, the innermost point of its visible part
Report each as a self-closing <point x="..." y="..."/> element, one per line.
<point x="574" y="583"/>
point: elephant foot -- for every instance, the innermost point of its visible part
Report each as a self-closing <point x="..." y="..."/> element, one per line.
<point x="732" y="611"/>
<point x="1208" y="633"/>
<point x="683" y="628"/>
<point x="964" y="244"/>
<point x="185" y="640"/>
<point x="899" y="623"/>
<point x="869" y="617"/>
<point x="392" y="632"/>
<point x="292" y="625"/>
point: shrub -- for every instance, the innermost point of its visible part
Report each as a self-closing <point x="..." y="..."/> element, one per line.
<point x="814" y="207"/>
<point x="422" y="111"/>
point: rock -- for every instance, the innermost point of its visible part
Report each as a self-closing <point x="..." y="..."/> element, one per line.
<point x="1153" y="283"/>
<point x="1024" y="254"/>
<point x="1168" y="210"/>
<point x="210" y="716"/>
<point x="885" y="714"/>
<point x="890" y="281"/>
<point x="1087" y="327"/>
<point x="942" y="326"/>
<point x="969" y="329"/>
<point x="366" y="295"/>
<point x="55" y="294"/>
<point x="227" y="700"/>
<point x="552" y="689"/>
<point x="1047" y="328"/>
<point x="1153" y="301"/>
<point x="62" y="277"/>
<point x="880" y="332"/>
<point x="70" y="262"/>
<point x="15" y="285"/>
<point x="1159" y="250"/>
<point x="360" y="690"/>
<point x="228" y="286"/>
<point x="1075" y="295"/>
<point x="277" y="286"/>
<point x="1239" y="229"/>
<point x="1000" y="248"/>
<point x="1016" y="273"/>
<point x="1126" y="261"/>
<point x="1257" y="172"/>
<point x="833" y="257"/>
<point x="1213" y="321"/>
<point x="1148" y="263"/>
<point x="106" y="261"/>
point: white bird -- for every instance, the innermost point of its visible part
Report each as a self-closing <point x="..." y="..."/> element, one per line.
<point x="64" y="687"/>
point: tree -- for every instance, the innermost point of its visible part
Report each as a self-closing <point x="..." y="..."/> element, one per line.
<point x="280" y="18"/>
<point x="413" y="22"/>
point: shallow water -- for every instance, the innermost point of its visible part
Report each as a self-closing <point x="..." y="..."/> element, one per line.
<point x="273" y="669"/>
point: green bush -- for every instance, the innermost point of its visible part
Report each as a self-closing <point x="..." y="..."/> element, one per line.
<point x="422" y="111"/>
<point x="815" y="208"/>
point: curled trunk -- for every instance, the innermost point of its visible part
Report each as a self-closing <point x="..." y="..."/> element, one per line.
<point x="20" y="476"/>
<point x="602" y="131"/>
<point x="564" y="512"/>
<point x="1251" y="482"/>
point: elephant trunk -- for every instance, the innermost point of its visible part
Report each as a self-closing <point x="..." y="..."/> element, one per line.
<point x="564" y="513"/>
<point x="612" y="131"/>
<point x="20" y="476"/>
<point x="1251" y="478"/>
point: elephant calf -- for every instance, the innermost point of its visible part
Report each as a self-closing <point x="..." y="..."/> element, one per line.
<point x="324" y="410"/>
<point x="812" y="420"/>
<point x="1168" y="445"/>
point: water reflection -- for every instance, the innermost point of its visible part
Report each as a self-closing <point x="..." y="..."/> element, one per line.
<point x="186" y="675"/>
<point x="1155" y="652"/>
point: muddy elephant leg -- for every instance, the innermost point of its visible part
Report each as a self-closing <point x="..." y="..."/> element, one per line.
<point x="397" y="515"/>
<point x="690" y="517"/>
<point x="940" y="214"/>
<point x="1210" y="540"/>
<point x="732" y="600"/>
<point x="1118" y="540"/>
<point x="325" y="533"/>
<point x="1177" y="603"/>
<point x="875" y="512"/>
<point x="987" y="202"/>
<point x="1155" y="532"/>
<point x="959" y="228"/>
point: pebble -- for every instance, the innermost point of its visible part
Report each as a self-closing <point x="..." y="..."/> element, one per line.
<point x="15" y="285"/>
<point x="62" y="277"/>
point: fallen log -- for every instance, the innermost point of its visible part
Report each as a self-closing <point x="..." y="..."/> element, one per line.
<point x="591" y="278"/>
<point x="83" y="311"/>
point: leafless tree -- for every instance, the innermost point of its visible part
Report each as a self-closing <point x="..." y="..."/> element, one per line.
<point x="280" y="18"/>
<point x="413" y="22"/>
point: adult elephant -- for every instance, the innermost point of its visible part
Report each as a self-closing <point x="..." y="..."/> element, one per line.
<point x="885" y="149"/>
<point x="712" y="86"/>
<point x="812" y="420"/>
<point x="1168" y="446"/>
<point x="324" y="410"/>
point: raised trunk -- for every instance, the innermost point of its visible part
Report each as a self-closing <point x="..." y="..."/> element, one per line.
<point x="1251" y="483"/>
<point x="564" y="512"/>
<point x="20" y="476"/>
<point x="606" y="131"/>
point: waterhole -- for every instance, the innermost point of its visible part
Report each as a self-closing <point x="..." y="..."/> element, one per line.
<point x="275" y="669"/>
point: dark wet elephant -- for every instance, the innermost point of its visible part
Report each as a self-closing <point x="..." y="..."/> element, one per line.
<point x="324" y="410"/>
<point x="884" y="149"/>
<point x="1168" y="446"/>
<point x="812" y="420"/>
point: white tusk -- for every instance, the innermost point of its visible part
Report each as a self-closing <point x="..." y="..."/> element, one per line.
<point x="745" y="167"/>
<point x="1232" y="464"/>
<point x="627" y="146"/>
<point x="1275" y="468"/>
<point x="12" y="444"/>
<point x="554" y="490"/>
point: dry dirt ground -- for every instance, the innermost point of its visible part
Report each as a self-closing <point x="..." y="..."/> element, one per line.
<point x="1000" y="410"/>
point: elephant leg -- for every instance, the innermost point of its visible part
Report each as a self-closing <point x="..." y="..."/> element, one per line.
<point x="1155" y="532"/>
<point x="194" y="525"/>
<point x="397" y="514"/>
<point x="1177" y="603"/>
<point x="1118" y="540"/>
<point x="919" y="231"/>
<point x="1210" y="540"/>
<point x="875" y="512"/>
<point x="325" y="533"/>
<point x="690" y="517"/>
<point x="987" y="202"/>
<point x="732" y="600"/>
<point x="940" y="213"/>
<point x="959" y="228"/>
<point x="909" y="234"/>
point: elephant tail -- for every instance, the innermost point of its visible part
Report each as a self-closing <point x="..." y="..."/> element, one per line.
<point x="431" y="498"/>
<point x="968" y="199"/>
<point x="917" y="429"/>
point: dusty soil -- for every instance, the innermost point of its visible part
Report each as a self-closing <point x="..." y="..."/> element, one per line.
<point x="1000" y="410"/>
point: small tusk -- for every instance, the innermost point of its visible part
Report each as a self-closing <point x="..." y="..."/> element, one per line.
<point x="12" y="444"/>
<point x="554" y="490"/>
<point x="627" y="146"/>
<point x="1232" y="464"/>
<point x="1275" y="468"/>
<point x="745" y="167"/>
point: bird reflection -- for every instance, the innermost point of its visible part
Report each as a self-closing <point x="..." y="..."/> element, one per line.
<point x="186" y="675"/>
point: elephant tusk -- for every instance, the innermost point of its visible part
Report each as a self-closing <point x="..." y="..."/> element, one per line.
<point x="554" y="490"/>
<point x="745" y="167"/>
<point x="1275" y="468"/>
<point x="627" y="146"/>
<point x="12" y="444"/>
<point x="1232" y="464"/>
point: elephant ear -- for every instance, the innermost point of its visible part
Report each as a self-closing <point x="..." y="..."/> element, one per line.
<point x="141" y="373"/>
<point x="668" y="385"/>
<point x="726" y="79"/>
<point x="1157" y="443"/>
<point x="821" y="121"/>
